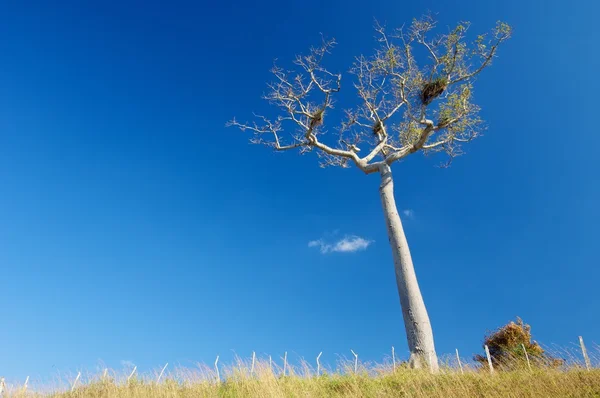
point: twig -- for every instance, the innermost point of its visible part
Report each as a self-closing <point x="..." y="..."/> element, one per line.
<point x="459" y="363"/>
<point x="105" y="373"/>
<point x="75" y="382"/>
<point x="161" y="372"/>
<point x="355" y="361"/>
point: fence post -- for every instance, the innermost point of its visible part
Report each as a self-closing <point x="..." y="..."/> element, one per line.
<point x="284" y="362"/>
<point x="588" y="365"/>
<point x="270" y="364"/>
<point x="319" y="364"/>
<point x="217" y="369"/>
<point x="132" y="373"/>
<point x="489" y="358"/>
<point x="25" y="385"/>
<point x="75" y="382"/>
<point x="253" y="360"/>
<point x="105" y="373"/>
<point x="355" y="361"/>
<point x="161" y="372"/>
<point x="459" y="363"/>
<point x="393" y="359"/>
<point x="431" y="368"/>
<point x="526" y="356"/>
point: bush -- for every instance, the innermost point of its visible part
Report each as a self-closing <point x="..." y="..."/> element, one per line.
<point x="506" y="347"/>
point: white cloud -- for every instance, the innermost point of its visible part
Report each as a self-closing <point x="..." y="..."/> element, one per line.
<point x="409" y="213"/>
<point x="349" y="244"/>
<point x="127" y="364"/>
<point x="315" y="243"/>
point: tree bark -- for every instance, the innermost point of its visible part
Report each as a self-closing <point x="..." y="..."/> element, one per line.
<point x="416" y="320"/>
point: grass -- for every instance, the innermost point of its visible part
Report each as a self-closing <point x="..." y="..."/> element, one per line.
<point x="371" y="380"/>
<point x="573" y="383"/>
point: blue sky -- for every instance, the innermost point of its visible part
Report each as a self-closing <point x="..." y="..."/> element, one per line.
<point x="135" y="227"/>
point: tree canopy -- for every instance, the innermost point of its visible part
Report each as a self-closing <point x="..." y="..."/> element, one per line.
<point x="415" y="92"/>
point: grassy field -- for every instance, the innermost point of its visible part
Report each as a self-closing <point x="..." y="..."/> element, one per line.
<point x="573" y="383"/>
<point x="370" y="380"/>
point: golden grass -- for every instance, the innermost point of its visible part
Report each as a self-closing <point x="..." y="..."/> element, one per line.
<point x="372" y="380"/>
<point x="405" y="383"/>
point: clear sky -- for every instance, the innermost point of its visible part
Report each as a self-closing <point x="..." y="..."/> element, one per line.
<point x="135" y="227"/>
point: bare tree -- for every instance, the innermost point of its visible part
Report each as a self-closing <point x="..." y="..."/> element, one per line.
<point x="415" y="95"/>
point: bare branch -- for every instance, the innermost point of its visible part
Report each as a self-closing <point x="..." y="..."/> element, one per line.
<point x="501" y="33"/>
<point x="438" y="143"/>
<point x="267" y="128"/>
<point x="419" y="29"/>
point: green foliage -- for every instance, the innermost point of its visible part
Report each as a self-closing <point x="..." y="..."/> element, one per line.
<point x="451" y="112"/>
<point x="392" y="58"/>
<point x="413" y="77"/>
<point x="410" y="133"/>
<point x="502" y="31"/>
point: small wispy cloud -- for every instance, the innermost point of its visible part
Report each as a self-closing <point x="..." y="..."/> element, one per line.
<point x="127" y="364"/>
<point x="409" y="213"/>
<point x="348" y="244"/>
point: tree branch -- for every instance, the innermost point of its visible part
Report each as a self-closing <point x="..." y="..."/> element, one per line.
<point x="387" y="82"/>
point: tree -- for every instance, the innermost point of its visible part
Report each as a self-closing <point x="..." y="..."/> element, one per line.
<point x="404" y="107"/>
<point x="506" y="347"/>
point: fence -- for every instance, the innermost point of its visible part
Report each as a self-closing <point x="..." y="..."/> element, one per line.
<point x="256" y="366"/>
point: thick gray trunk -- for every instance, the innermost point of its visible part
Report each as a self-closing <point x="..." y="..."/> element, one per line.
<point x="416" y="320"/>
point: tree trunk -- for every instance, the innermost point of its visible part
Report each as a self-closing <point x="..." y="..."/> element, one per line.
<point x="416" y="320"/>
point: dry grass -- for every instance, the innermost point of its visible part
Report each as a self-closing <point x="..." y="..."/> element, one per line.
<point x="372" y="380"/>
<point x="574" y="383"/>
